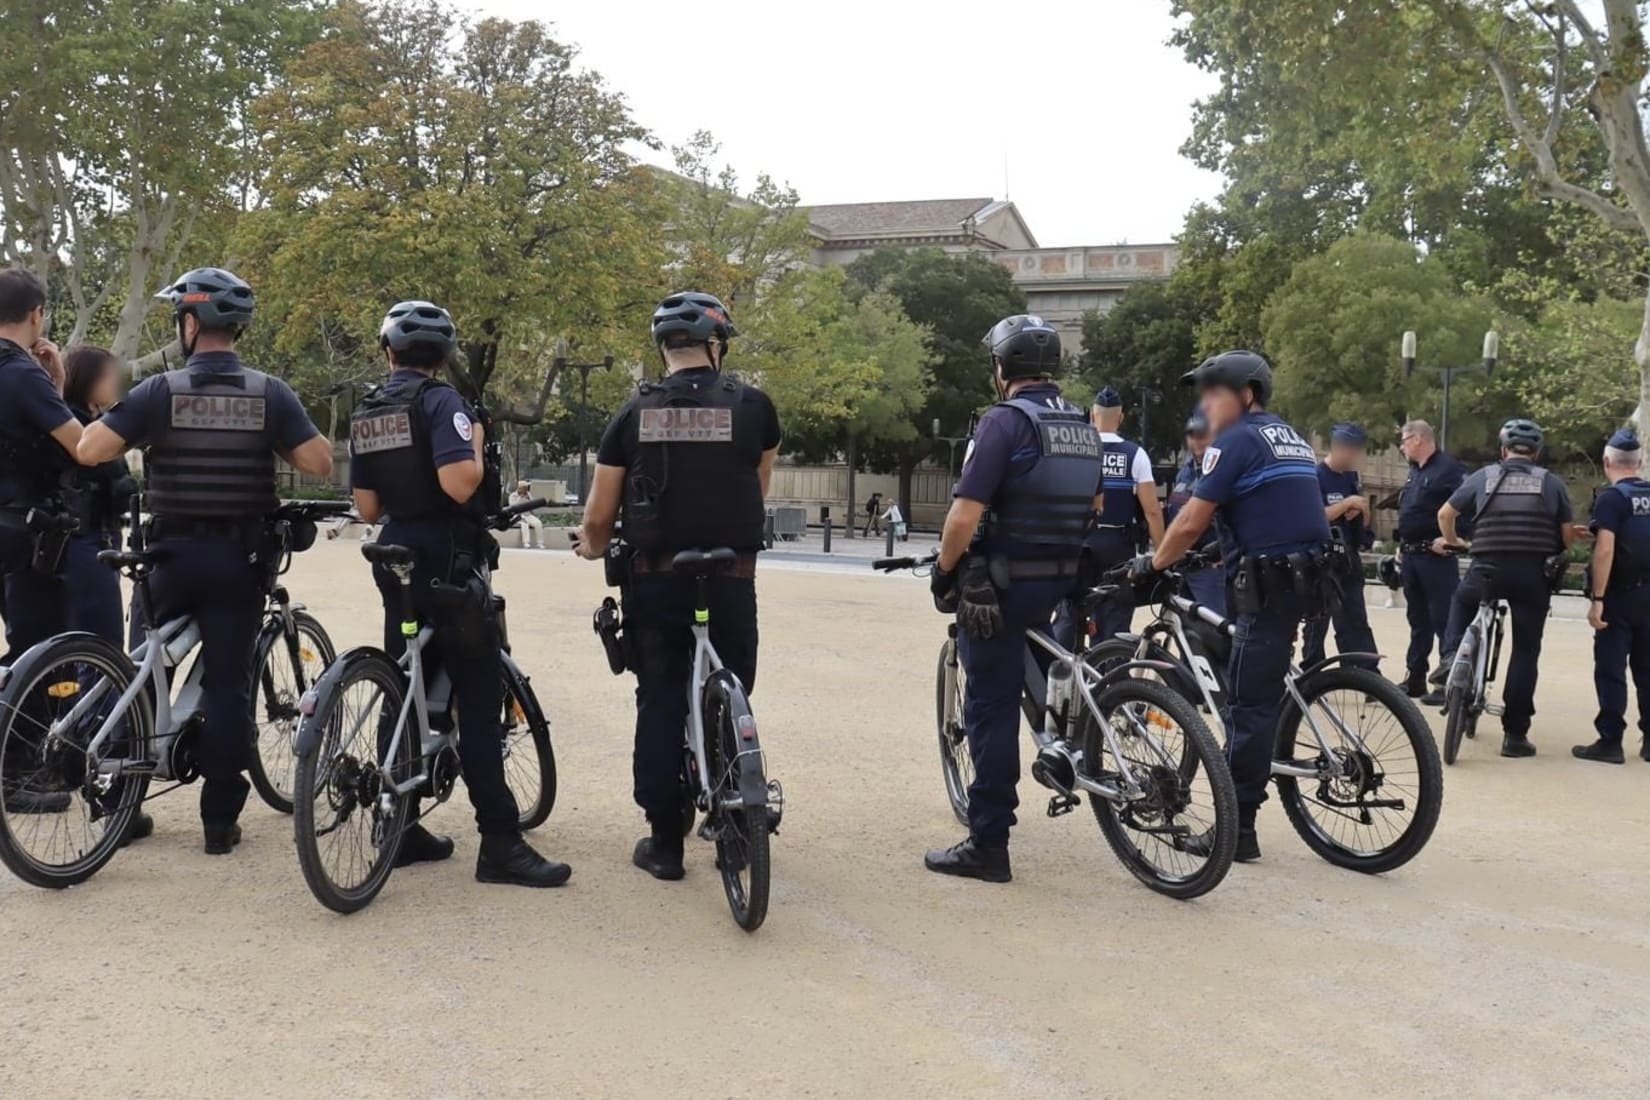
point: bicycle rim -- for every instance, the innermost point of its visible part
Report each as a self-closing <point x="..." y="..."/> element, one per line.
<point x="529" y="759"/>
<point x="742" y="834"/>
<point x="956" y="761"/>
<point x="58" y="827"/>
<point x="347" y="837"/>
<point x="277" y="690"/>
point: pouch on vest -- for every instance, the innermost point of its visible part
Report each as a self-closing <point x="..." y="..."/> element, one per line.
<point x="1556" y="568"/>
<point x="609" y="627"/>
<point x="49" y="538"/>
<point x="465" y="618"/>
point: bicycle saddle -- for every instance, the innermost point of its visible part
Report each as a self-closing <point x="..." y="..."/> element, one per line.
<point x="700" y="563"/>
<point x="381" y="554"/>
<point x="126" y="559"/>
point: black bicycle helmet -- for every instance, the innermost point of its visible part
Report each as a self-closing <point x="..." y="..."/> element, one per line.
<point x="216" y="298"/>
<point x="1522" y="436"/>
<point x="1235" y="370"/>
<point x="697" y="317"/>
<point x="1026" y="345"/>
<point x="411" y="325"/>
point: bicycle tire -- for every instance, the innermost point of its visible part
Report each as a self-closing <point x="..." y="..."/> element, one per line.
<point x="1455" y="719"/>
<point x="741" y="835"/>
<point x="1200" y="751"/>
<point x="1459" y="693"/>
<point x="524" y="724"/>
<point x="46" y="668"/>
<point x="1428" y="793"/>
<point x="271" y="772"/>
<point x="326" y="772"/>
<point x="956" y="761"/>
<point x="1119" y="651"/>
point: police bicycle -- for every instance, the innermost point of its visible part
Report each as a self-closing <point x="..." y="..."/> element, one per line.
<point x="1354" y="762"/>
<point x="1155" y="776"/>
<point x="723" y="766"/>
<point x="1466" y="687"/>
<point x="377" y="736"/>
<point x="291" y="652"/>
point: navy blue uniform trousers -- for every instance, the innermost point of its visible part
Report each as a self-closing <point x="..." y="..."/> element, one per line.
<point x="1106" y="549"/>
<point x="215" y="581"/>
<point x="658" y="623"/>
<point x="1351" y="621"/>
<point x="1521" y="580"/>
<point x="1430" y="582"/>
<point x="1262" y="647"/>
<point x="94" y="603"/>
<point x="478" y="684"/>
<point x="995" y="671"/>
<point x="1623" y="645"/>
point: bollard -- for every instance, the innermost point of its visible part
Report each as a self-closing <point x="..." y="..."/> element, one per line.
<point x="825" y="522"/>
<point x="890" y="551"/>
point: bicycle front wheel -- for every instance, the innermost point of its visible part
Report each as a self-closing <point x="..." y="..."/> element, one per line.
<point x="956" y="762"/>
<point x="347" y="821"/>
<point x="1380" y="786"/>
<point x="65" y="806"/>
<point x="1177" y="830"/>
<point x="529" y="759"/>
<point x="741" y="833"/>
<point x="286" y="668"/>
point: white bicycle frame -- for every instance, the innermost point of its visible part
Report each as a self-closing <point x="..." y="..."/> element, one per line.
<point x="706" y="663"/>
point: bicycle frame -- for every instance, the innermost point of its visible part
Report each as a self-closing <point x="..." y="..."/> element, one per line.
<point x="706" y="663"/>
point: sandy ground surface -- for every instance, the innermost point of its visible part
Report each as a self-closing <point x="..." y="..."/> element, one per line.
<point x="1511" y="959"/>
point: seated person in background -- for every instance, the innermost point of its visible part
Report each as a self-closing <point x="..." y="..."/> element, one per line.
<point x="532" y="528"/>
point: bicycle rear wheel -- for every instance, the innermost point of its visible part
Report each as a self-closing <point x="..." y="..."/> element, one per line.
<point x="347" y="823"/>
<point x="61" y="817"/>
<point x="1179" y="834"/>
<point x="1380" y="788"/>
<point x="277" y="689"/>
<point x="1459" y="692"/>
<point x="529" y="758"/>
<point x="956" y="762"/>
<point x="741" y="833"/>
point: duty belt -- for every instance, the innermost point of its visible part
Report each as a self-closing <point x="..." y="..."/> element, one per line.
<point x="205" y="527"/>
<point x="1415" y="547"/>
<point x="742" y="568"/>
<point x="1040" y="570"/>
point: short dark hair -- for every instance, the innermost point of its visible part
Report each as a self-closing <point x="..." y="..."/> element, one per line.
<point x="420" y="357"/>
<point x="83" y="365"/>
<point x="21" y="293"/>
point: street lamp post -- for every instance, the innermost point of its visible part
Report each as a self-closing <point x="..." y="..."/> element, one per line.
<point x="1492" y="352"/>
<point x="1147" y="396"/>
<point x="952" y="441"/>
<point x="584" y="370"/>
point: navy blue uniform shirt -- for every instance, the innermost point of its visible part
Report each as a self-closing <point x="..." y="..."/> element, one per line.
<point x="30" y="407"/>
<point x="452" y="427"/>
<point x="1262" y="476"/>
<point x="146" y="414"/>
<point x="1005" y="443"/>
<point x="1185" y="485"/>
<point x="1428" y="488"/>
<point x="1336" y="488"/>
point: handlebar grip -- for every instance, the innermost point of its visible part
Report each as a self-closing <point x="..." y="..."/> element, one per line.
<point x="888" y="565"/>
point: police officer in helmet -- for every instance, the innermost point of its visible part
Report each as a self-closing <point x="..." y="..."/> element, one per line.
<point x="418" y="465"/>
<point x="213" y="430"/>
<point x="1521" y="520"/>
<point x="1008" y="555"/>
<point x="1348" y="512"/>
<point x="683" y="481"/>
<point x="1619" y="608"/>
<point x="1261" y="478"/>
<point x="38" y="437"/>
<point x="1207" y="585"/>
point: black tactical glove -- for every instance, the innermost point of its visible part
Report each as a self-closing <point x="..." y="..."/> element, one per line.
<point x="1141" y="568"/>
<point x="944" y="587"/>
<point x="978" y="612"/>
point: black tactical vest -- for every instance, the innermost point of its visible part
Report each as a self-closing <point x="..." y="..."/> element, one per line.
<point x="1119" y="489"/>
<point x="1515" y="517"/>
<point x="693" y="484"/>
<point x="34" y="470"/>
<point x="1631" y="564"/>
<point x="1045" y="512"/>
<point x="215" y="458"/>
<point x="389" y="444"/>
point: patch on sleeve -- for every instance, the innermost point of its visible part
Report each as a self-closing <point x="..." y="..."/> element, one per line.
<point x="461" y="425"/>
<point x="1210" y="458"/>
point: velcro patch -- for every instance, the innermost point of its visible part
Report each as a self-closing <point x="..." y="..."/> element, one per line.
<point x="201" y="412"/>
<point x="1641" y="505"/>
<point x="1115" y="466"/>
<point x="389" y="431"/>
<point x="1286" y="443"/>
<point x="1211" y="458"/>
<point x="1069" y="439"/>
<point x="686" y="425"/>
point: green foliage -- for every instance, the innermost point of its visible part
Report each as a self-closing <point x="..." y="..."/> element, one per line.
<point x="1145" y="343"/>
<point x="1573" y="371"/>
<point x="1334" y="331"/>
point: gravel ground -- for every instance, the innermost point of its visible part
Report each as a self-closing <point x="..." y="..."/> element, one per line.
<point x="1510" y="959"/>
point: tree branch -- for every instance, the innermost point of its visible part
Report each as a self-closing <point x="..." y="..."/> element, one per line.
<point x="1589" y="37"/>
<point x="1561" y="47"/>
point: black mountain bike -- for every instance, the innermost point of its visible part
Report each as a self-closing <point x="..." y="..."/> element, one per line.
<point x="1355" y="764"/>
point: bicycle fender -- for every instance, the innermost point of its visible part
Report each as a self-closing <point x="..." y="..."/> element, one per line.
<point x="753" y="784"/>
<point x="1340" y="658"/>
<point x="318" y="697"/>
<point x="24" y="667"/>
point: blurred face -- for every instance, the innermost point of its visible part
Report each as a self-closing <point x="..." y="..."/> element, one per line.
<point x="1197" y="443"/>
<point x="1345" y="456"/>
<point x="106" y="390"/>
<point x="35" y="326"/>
<point x="1223" y="407"/>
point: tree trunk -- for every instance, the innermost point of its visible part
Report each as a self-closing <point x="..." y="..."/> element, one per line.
<point x="853" y="469"/>
<point x="1641" y="355"/>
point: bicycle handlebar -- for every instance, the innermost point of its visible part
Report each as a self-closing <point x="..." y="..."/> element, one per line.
<point x="890" y="565"/>
<point x="501" y="522"/>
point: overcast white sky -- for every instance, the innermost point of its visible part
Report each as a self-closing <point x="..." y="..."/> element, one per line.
<point x="859" y="101"/>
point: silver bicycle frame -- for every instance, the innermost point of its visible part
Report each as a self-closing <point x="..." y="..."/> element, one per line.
<point x="706" y="663"/>
<point x="415" y="705"/>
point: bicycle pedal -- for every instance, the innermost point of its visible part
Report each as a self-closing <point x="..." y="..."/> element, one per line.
<point x="1063" y="804"/>
<point x="1494" y="710"/>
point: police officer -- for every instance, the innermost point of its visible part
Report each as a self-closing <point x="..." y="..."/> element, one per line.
<point x="1129" y="509"/>
<point x="682" y="488"/>
<point x="1008" y="555"/>
<point x="38" y="437"/>
<point x="418" y="464"/>
<point x="1261" y="477"/>
<point x="1430" y="574"/>
<point x="1619" y="608"/>
<point x="1208" y="584"/>
<point x="1348" y="512"/>
<point x="1521" y="519"/>
<point x="213" y="430"/>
